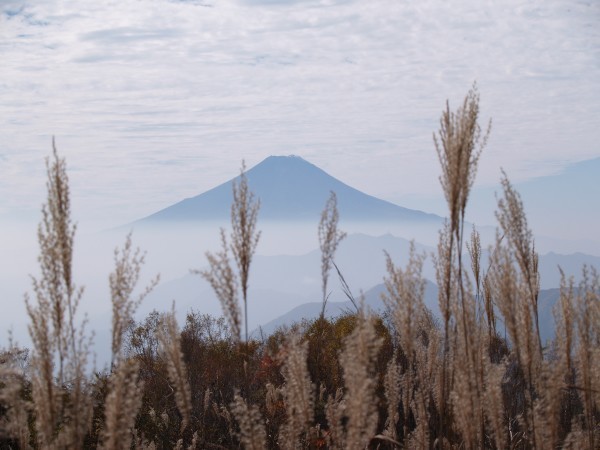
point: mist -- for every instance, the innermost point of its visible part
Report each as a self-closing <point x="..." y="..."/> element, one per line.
<point x="285" y="272"/>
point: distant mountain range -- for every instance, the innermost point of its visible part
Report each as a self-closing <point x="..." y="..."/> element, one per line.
<point x="372" y="298"/>
<point x="286" y="288"/>
<point x="290" y="189"/>
<point x="279" y="284"/>
<point x="557" y="206"/>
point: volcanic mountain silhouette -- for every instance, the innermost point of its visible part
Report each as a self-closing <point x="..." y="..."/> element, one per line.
<point x="290" y="189"/>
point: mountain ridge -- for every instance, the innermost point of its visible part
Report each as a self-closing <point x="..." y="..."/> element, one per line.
<point x="290" y="189"/>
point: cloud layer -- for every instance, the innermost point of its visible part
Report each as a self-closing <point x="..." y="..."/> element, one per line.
<point x="159" y="100"/>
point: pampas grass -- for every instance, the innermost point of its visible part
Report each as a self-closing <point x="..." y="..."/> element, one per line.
<point x="252" y="430"/>
<point x="329" y="239"/>
<point x="170" y="348"/>
<point x="298" y="394"/>
<point x="62" y="416"/>
<point x="480" y="378"/>
<point x="244" y="239"/>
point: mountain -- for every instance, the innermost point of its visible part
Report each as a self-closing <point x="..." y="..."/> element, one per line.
<point x="290" y="189"/>
<point x="192" y="292"/>
<point x="559" y="207"/>
<point x="309" y="311"/>
<point x="278" y="283"/>
<point x="372" y="299"/>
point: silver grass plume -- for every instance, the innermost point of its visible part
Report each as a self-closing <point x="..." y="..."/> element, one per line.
<point x="298" y="393"/>
<point x="244" y="236"/>
<point x="14" y="421"/>
<point x="122" y="404"/>
<point x="357" y="360"/>
<point x="252" y="428"/>
<point x="335" y="410"/>
<point x="170" y="347"/>
<point x="122" y="281"/>
<point x="329" y="239"/>
<point x="223" y="280"/>
<point x="60" y="421"/>
<point x="124" y="397"/>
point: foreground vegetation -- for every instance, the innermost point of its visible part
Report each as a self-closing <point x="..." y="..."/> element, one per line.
<point x="478" y="377"/>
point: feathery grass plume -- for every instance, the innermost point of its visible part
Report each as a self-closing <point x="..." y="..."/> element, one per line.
<point x="564" y="317"/>
<point x="482" y="289"/>
<point x="170" y="347"/>
<point x="122" y="281"/>
<point x="564" y="374"/>
<point x="252" y="428"/>
<point x="474" y="249"/>
<point x="298" y="393"/>
<point x="550" y="390"/>
<point x="587" y="307"/>
<point x="445" y="267"/>
<point x="272" y="398"/>
<point x="122" y="404"/>
<point x="467" y="390"/>
<point x="514" y="281"/>
<point x="513" y="222"/>
<point x="224" y="413"/>
<point x="358" y="359"/>
<point x="420" y="438"/>
<point x="223" y="280"/>
<point x="492" y="400"/>
<point x="427" y="389"/>
<point x="62" y="420"/>
<point x="45" y="395"/>
<point x="335" y="410"/>
<point x="510" y="296"/>
<point x="244" y="236"/>
<point x="391" y="385"/>
<point x="488" y="303"/>
<point x="459" y="145"/>
<point x="14" y="420"/>
<point x="124" y="397"/>
<point x="244" y="239"/>
<point x="405" y="290"/>
<point x="329" y="239"/>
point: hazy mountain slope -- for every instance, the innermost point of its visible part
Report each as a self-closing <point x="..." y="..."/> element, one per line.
<point x="557" y="206"/>
<point x="280" y="283"/>
<point x="193" y="292"/>
<point x="361" y="260"/>
<point x="290" y="189"/>
<point x="372" y="298"/>
<point x="570" y="264"/>
<point x="547" y="300"/>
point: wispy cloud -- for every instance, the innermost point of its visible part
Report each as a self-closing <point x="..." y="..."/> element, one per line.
<point x="156" y="101"/>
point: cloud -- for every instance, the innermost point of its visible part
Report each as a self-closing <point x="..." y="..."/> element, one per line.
<point x="157" y="101"/>
<point x="125" y="35"/>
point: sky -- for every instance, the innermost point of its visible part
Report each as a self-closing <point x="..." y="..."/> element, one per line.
<point x="154" y="101"/>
